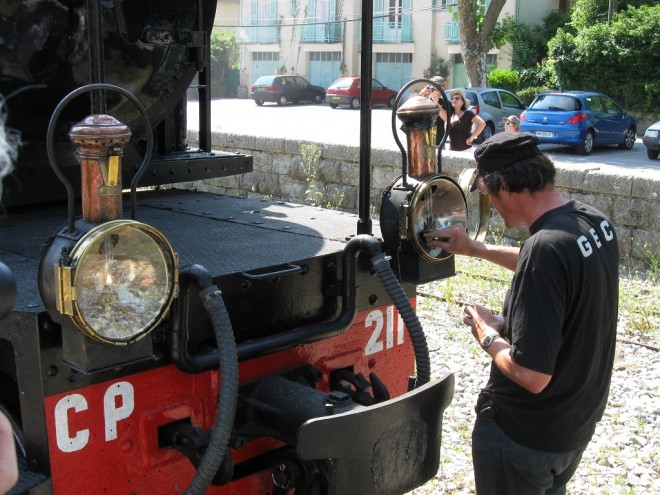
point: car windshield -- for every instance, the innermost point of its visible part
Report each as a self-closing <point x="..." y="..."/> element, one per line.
<point x="342" y="83"/>
<point x="556" y="102"/>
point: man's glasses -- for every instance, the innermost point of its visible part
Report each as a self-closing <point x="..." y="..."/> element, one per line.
<point x="509" y="123"/>
<point x="456" y="98"/>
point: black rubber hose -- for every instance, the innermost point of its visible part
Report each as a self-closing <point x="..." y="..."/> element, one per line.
<point x="402" y="303"/>
<point x="227" y="398"/>
<point x="400" y="300"/>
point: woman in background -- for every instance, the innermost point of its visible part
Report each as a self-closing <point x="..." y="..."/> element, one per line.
<point x="461" y="135"/>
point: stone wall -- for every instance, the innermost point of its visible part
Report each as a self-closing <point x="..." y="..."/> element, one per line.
<point x="631" y="201"/>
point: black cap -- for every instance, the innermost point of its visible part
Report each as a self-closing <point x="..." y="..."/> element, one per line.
<point x="504" y="149"/>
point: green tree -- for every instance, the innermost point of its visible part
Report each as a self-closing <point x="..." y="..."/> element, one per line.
<point x="224" y="56"/>
<point x="587" y="13"/>
<point x="528" y="46"/>
<point x="621" y="59"/>
<point x="529" y="42"/>
<point x="224" y="49"/>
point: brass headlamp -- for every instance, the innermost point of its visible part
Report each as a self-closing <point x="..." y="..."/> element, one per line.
<point x="116" y="282"/>
<point x="112" y="279"/>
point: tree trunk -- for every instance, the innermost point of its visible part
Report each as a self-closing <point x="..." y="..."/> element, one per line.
<point x="475" y="43"/>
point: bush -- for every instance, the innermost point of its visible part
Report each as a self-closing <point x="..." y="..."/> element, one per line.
<point x="527" y="95"/>
<point x="439" y="67"/>
<point x="503" y="78"/>
<point x="536" y="76"/>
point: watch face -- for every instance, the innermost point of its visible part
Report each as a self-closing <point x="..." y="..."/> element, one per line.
<point x="488" y="340"/>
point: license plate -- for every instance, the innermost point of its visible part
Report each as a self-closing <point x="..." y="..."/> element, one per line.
<point x="545" y="134"/>
<point x="336" y="98"/>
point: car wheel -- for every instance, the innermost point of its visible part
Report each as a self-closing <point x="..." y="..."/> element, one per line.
<point x="318" y="99"/>
<point x="587" y="144"/>
<point x="281" y="101"/>
<point x="355" y="103"/>
<point x="488" y="131"/>
<point x="652" y="154"/>
<point x="333" y="105"/>
<point x="259" y="102"/>
<point x="628" y="140"/>
<point x="390" y="102"/>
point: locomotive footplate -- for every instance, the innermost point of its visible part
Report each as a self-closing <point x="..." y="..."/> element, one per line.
<point x="390" y="447"/>
<point x="190" y="165"/>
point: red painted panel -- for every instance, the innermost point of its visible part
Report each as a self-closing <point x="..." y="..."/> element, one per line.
<point x="103" y="438"/>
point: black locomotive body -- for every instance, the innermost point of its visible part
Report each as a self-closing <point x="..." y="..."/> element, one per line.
<point x="193" y="342"/>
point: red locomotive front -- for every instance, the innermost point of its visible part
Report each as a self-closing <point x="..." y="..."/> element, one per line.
<point x="166" y="341"/>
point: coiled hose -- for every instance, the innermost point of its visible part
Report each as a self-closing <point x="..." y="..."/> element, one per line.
<point x="227" y="398"/>
<point x="402" y="303"/>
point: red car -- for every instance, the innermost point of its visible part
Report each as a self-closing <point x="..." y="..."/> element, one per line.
<point x="346" y="91"/>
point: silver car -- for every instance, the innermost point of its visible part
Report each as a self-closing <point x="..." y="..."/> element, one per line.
<point x="492" y="105"/>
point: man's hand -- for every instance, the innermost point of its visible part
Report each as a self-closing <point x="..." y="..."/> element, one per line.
<point x="482" y="322"/>
<point x="432" y="93"/>
<point x="453" y="240"/>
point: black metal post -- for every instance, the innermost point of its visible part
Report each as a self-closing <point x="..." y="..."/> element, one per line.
<point x="364" y="222"/>
<point x="204" y="79"/>
<point x="96" y="65"/>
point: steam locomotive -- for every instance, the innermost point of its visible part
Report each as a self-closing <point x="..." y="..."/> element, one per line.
<point x="161" y="341"/>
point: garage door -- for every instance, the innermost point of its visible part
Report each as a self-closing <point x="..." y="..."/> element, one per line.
<point x="324" y="68"/>
<point x="264" y="64"/>
<point x="393" y="69"/>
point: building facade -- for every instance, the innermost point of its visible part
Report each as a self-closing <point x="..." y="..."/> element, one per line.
<point x="320" y="39"/>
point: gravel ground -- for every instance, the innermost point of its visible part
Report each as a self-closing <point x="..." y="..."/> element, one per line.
<point x="622" y="458"/>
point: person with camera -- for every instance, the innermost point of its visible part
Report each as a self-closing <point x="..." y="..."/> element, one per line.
<point x="432" y="93"/>
<point x="462" y="122"/>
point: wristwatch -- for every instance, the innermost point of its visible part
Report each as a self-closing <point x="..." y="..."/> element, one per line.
<point x="488" y="341"/>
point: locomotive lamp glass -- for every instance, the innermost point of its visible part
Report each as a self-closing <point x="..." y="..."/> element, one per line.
<point x="119" y="283"/>
<point x="436" y="204"/>
<point x="420" y="206"/>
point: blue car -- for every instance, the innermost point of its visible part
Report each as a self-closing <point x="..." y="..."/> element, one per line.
<point x="583" y="119"/>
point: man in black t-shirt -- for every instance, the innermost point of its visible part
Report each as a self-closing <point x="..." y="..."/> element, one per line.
<point x="553" y="348"/>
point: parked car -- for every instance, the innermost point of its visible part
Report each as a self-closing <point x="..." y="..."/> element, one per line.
<point x="346" y="91"/>
<point x="284" y="89"/>
<point x="651" y="140"/>
<point x="583" y="119"/>
<point x="492" y="105"/>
